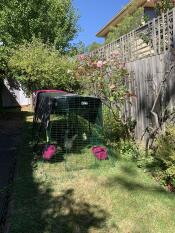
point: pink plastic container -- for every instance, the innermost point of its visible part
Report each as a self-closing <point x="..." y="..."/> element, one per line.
<point x="49" y="152"/>
<point x="100" y="152"/>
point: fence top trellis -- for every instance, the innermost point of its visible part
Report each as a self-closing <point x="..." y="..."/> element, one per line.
<point x="155" y="37"/>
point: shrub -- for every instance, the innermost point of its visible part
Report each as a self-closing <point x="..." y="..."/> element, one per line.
<point x="128" y="149"/>
<point x="106" y="79"/>
<point x="39" y="66"/>
<point x="166" y="152"/>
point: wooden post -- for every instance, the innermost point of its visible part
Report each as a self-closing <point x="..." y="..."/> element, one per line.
<point x="164" y="34"/>
<point x="159" y="37"/>
<point x="154" y="37"/>
<point x="173" y="27"/>
<point x="168" y="29"/>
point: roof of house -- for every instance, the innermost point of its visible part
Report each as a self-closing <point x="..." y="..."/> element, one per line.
<point x="128" y="9"/>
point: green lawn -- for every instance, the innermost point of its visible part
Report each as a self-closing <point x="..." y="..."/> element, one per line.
<point x="120" y="198"/>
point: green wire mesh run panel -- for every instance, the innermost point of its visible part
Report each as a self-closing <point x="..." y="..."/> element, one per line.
<point x="73" y="124"/>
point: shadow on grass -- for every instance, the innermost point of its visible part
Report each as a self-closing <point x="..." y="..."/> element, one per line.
<point x="38" y="209"/>
<point x="129" y="170"/>
<point x="130" y="185"/>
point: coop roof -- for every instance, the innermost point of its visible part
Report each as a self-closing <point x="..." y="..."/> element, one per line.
<point x="62" y="103"/>
<point x="65" y="100"/>
<point x="37" y="95"/>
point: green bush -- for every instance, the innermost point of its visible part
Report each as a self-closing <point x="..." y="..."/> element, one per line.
<point x="115" y="129"/>
<point x="160" y="162"/>
<point x="112" y="126"/>
<point x="166" y="152"/>
<point x="39" y="66"/>
<point x="128" y="149"/>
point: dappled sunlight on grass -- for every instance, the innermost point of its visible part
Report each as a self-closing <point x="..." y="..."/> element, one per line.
<point x="121" y="198"/>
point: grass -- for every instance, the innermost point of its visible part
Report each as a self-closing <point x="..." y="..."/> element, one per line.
<point x="120" y="198"/>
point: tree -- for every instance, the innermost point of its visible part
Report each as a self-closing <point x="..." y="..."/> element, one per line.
<point x="53" y="21"/>
<point x="93" y="46"/>
<point x="77" y="48"/>
<point x="38" y="66"/>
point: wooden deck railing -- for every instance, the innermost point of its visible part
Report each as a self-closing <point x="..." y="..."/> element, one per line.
<point x="155" y="37"/>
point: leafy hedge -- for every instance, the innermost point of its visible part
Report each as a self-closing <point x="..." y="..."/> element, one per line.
<point x="38" y="66"/>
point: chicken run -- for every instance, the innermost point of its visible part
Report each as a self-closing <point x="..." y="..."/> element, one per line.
<point x="68" y="127"/>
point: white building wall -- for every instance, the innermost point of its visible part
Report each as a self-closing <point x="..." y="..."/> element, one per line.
<point x="12" y="97"/>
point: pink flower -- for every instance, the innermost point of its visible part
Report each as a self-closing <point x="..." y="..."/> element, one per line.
<point x="115" y="53"/>
<point x="99" y="64"/>
<point x="81" y="57"/>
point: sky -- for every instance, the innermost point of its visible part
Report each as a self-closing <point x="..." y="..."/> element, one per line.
<point x="94" y="14"/>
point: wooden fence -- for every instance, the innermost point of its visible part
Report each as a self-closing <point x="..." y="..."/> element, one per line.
<point x="152" y="82"/>
<point x="155" y="37"/>
<point x="148" y="53"/>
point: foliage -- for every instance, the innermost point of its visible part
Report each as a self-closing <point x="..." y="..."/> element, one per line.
<point x="76" y="49"/>
<point x="166" y="152"/>
<point x="52" y="21"/>
<point x="38" y="66"/>
<point x="106" y="80"/>
<point x="163" y="5"/>
<point x="4" y="56"/>
<point x="128" y="149"/>
<point x="94" y="45"/>
<point x="161" y="161"/>
<point x="129" y="23"/>
<point x="116" y="133"/>
<point x="81" y="48"/>
<point x="112" y="130"/>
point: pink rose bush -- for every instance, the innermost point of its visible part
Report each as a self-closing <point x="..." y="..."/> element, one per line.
<point x="81" y="57"/>
<point x="107" y="79"/>
<point x="104" y="78"/>
<point x="99" y="64"/>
